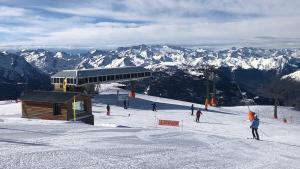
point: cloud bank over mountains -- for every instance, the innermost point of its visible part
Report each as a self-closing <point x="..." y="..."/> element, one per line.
<point x="113" y="23"/>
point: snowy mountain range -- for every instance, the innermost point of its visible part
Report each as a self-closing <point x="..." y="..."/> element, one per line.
<point x="17" y="75"/>
<point x="16" y="68"/>
<point x="255" y="68"/>
<point x="161" y="56"/>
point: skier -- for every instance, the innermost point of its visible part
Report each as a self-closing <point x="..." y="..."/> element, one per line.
<point x="154" y="106"/>
<point x="125" y="104"/>
<point x="108" y="110"/>
<point x="254" y="127"/>
<point x="198" y="114"/>
<point x="192" y="108"/>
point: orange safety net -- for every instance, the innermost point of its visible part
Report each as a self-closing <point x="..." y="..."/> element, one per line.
<point x="207" y="102"/>
<point x="131" y="94"/>
<point x="213" y="101"/>
<point x="169" y="123"/>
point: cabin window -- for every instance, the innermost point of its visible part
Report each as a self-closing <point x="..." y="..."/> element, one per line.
<point x="80" y="81"/>
<point x="141" y="75"/>
<point x="56" y="109"/>
<point x="91" y="80"/>
<point x="112" y="77"/>
<point x="104" y="78"/>
<point x="79" y="106"/>
<point x="99" y="78"/>
<point x="86" y="80"/>
<point x="127" y="76"/>
<point x="108" y="78"/>
<point x="61" y="80"/>
<point x="95" y="79"/>
<point x="117" y="77"/>
<point x="75" y="81"/>
<point x="68" y="80"/>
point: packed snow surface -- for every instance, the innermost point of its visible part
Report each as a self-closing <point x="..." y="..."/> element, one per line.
<point x="131" y="138"/>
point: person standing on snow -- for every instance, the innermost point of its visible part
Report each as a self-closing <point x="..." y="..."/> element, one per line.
<point x="198" y="114"/>
<point x="254" y="127"/>
<point x="125" y="104"/>
<point x="154" y="106"/>
<point x="192" y="108"/>
<point x="108" y="110"/>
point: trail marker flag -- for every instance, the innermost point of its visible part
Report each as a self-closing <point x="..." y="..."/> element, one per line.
<point x="65" y="85"/>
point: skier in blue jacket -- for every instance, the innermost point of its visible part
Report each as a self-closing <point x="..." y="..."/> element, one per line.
<point x="254" y="126"/>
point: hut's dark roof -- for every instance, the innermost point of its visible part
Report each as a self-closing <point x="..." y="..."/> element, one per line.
<point x="48" y="96"/>
<point x="100" y="72"/>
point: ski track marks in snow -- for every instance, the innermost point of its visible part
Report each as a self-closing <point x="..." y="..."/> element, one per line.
<point x="218" y="141"/>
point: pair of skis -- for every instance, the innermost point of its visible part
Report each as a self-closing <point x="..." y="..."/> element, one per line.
<point x="254" y="139"/>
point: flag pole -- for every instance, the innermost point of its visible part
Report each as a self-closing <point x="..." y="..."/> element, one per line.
<point x="74" y="109"/>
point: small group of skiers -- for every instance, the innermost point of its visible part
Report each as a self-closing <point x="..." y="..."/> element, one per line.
<point x="254" y="125"/>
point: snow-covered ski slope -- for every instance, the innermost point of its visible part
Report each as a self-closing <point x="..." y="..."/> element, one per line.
<point x="136" y="141"/>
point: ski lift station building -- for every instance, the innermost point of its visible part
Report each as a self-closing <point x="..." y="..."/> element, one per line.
<point x="71" y="96"/>
<point x="85" y="79"/>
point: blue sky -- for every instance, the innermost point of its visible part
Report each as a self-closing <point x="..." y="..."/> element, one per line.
<point x="114" y="23"/>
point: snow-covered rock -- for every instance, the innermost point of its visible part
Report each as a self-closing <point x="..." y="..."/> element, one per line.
<point x="293" y="76"/>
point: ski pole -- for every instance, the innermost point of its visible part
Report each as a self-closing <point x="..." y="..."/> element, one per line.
<point x="264" y="133"/>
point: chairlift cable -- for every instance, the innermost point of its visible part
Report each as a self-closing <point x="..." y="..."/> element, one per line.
<point x="239" y="89"/>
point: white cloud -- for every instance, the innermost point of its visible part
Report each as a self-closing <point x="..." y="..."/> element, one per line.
<point x="9" y="11"/>
<point x="128" y="22"/>
<point x="116" y="34"/>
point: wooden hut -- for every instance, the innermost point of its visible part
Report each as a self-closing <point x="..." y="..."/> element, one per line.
<point x="53" y="105"/>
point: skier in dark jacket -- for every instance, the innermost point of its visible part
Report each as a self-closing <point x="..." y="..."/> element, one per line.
<point x="192" y="108"/>
<point x="198" y="114"/>
<point x="154" y="106"/>
<point x="254" y="127"/>
<point x="108" y="110"/>
<point x="125" y="104"/>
